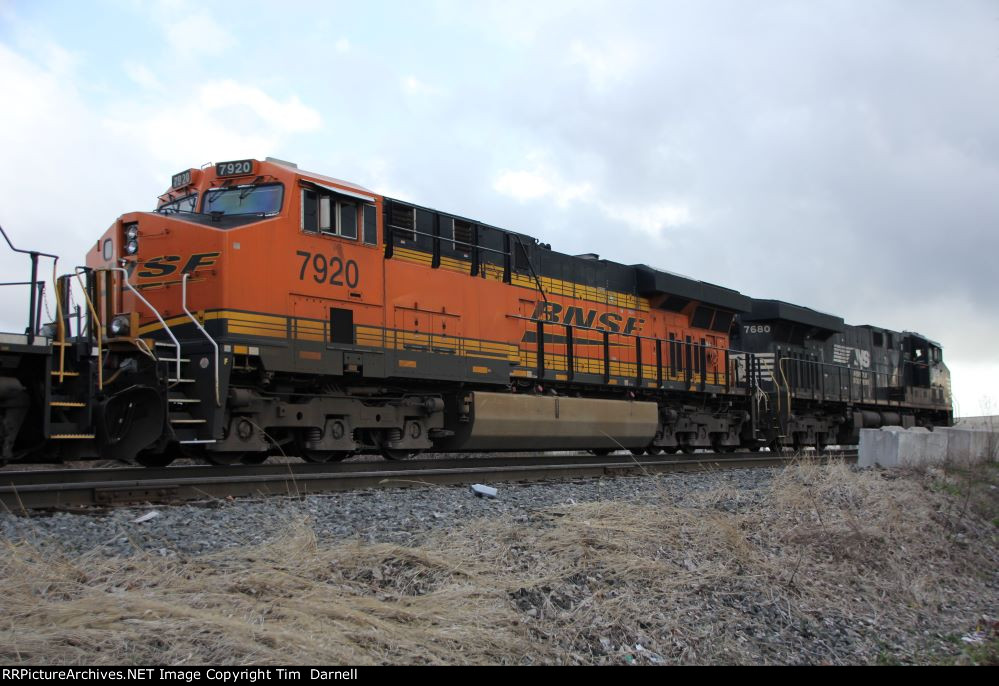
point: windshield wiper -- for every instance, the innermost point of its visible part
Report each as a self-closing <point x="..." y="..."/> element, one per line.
<point x="246" y="191"/>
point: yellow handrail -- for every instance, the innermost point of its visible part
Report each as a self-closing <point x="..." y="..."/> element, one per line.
<point x="60" y="325"/>
<point x="100" y="331"/>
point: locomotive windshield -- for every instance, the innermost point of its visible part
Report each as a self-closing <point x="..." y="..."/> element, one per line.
<point x="185" y="204"/>
<point x="261" y="200"/>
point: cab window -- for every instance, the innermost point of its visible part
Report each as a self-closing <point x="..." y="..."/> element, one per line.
<point x="186" y="204"/>
<point x="263" y="200"/>
<point x="370" y="228"/>
<point x="330" y="214"/>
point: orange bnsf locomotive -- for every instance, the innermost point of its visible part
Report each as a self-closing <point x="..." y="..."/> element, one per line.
<point x="262" y="310"/>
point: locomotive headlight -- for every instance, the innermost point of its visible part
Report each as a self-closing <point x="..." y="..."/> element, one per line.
<point x="132" y="231"/>
<point x="132" y="247"/>
<point x="119" y="325"/>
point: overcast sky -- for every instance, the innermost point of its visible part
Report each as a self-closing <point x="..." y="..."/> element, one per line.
<point x="841" y="155"/>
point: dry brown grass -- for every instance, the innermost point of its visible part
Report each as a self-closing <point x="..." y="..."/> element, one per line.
<point x="829" y="565"/>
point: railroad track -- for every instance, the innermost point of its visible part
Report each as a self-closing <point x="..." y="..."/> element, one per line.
<point x="22" y="491"/>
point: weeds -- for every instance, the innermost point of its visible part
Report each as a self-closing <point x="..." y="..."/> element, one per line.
<point x="828" y="565"/>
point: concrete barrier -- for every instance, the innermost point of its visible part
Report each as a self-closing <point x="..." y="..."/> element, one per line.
<point x="970" y="445"/>
<point x="984" y="423"/>
<point x="893" y="446"/>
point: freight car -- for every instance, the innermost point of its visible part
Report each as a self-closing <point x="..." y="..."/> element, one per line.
<point x="261" y="309"/>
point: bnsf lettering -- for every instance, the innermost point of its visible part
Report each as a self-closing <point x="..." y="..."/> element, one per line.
<point x="555" y="313"/>
<point x="159" y="266"/>
<point x="164" y="265"/>
<point x="547" y="311"/>
<point x="204" y="259"/>
<point x="611" y="321"/>
<point x="575" y="316"/>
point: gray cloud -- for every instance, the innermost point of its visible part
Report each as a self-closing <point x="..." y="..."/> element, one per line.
<point x="843" y="155"/>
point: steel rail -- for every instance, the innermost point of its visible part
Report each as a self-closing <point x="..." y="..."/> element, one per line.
<point x="23" y="491"/>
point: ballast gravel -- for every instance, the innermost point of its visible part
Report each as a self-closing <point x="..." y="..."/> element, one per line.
<point x="399" y="515"/>
<point x="808" y="564"/>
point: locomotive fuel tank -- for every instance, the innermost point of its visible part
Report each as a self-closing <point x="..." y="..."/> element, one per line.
<point x="503" y="421"/>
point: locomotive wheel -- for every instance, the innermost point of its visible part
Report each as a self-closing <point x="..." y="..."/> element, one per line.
<point x="753" y="448"/>
<point x="688" y="449"/>
<point x="601" y="452"/>
<point x="154" y="460"/>
<point x="224" y="459"/>
<point x="399" y="454"/>
<point x="637" y="451"/>
<point x="258" y="457"/>
<point x="654" y="450"/>
<point x="321" y="456"/>
<point x="719" y="447"/>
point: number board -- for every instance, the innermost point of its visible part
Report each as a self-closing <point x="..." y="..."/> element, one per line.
<point x="181" y="179"/>
<point x="237" y="168"/>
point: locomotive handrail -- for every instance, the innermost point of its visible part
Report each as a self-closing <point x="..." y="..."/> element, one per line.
<point x="394" y="229"/>
<point x="60" y="324"/>
<point x="99" y="331"/>
<point x="33" y="316"/>
<point x="402" y="229"/>
<point x="537" y="281"/>
<point x="865" y="375"/>
<point x="693" y="356"/>
<point x="154" y="310"/>
<point x="183" y="302"/>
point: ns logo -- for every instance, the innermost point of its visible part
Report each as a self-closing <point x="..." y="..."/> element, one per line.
<point x="851" y="357"/>
<point x="862" y="358"/>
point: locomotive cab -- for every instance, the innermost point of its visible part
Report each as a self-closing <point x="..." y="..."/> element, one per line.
<point x="927" y="378"/>
<point x="192" y="284"/>
<point x="171" y="257"/>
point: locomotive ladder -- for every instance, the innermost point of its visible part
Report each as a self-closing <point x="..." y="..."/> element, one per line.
<point x="68" y="417"/>
<point x="181" y="417"/>
<point x="181" y="404"/>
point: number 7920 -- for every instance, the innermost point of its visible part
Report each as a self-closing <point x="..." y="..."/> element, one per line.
<point x="331" y="270"/>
